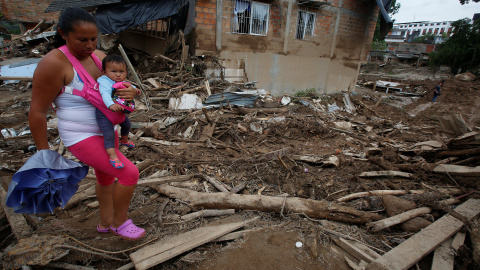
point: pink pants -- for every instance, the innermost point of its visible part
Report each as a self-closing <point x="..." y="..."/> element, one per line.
<point x="92" y="152"/>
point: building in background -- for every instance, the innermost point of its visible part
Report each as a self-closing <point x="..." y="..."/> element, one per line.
<point x="412" y="30"/>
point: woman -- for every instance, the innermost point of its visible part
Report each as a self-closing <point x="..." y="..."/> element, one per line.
<point x="77" y="38"/>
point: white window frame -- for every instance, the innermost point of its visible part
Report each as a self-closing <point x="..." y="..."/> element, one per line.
<point x="251" y="31"/>
<point x="304" y="26"/>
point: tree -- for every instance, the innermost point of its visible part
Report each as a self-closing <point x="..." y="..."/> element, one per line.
<point x="461" y="49"/>
<point x="428" y="38"/>
<point x="463" y="2"/>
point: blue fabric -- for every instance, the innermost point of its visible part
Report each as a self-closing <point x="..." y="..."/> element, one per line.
<point x="46" y="181"/>
<point x="105" y="87"/>
<point x="107" y="128"/>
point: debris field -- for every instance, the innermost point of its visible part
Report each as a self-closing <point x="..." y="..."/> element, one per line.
<point x="233" y="178"/>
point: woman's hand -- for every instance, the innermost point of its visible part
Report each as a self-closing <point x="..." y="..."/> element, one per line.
<point x="127" y="93"/>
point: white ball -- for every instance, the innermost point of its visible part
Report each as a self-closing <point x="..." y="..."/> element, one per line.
<point x="299" y="244"/>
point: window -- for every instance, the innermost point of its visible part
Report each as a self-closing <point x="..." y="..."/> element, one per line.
<point x="305" y="23"/>
<point x="250" y="18"/>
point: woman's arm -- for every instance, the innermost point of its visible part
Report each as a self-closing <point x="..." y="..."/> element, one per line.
<point x="48" y="80"/>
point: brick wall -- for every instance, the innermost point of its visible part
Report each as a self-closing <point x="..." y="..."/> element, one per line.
<point x="205" y="19"/>
<point x="27" y="11"/>
<point x="355" y="21"/>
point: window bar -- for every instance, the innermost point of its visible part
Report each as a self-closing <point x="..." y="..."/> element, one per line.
<point x="304" y="23"/>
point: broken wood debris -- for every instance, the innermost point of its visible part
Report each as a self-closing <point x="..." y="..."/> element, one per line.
<point x="421" y="244"/>
<point x="163" y="250"/>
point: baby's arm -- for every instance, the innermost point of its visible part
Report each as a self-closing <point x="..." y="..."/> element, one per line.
<point x="105" y="88"/>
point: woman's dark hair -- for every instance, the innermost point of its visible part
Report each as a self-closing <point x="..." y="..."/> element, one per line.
<point x="70" y="17"/>
<point x="113" y="58"/>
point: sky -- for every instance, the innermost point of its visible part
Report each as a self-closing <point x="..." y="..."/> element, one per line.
<point x="434" y="10"/>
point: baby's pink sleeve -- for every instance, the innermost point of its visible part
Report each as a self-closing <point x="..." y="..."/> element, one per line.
<point x="120" y="85"/>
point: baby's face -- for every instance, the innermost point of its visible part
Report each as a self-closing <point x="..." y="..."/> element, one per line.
<point x="116" y="71"/>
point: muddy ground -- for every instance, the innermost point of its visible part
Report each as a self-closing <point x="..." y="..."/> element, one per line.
<point x="233" y="158"/>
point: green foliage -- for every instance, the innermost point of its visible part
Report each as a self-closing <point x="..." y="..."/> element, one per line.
<point x="379" y="45"/>
<point x="461" y="50"/>
<point x="463" y="2"/>
<point x="307" y="93"/>
<point x="428" y="38"/>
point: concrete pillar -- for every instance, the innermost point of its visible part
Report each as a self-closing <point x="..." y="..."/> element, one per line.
<point x="218" y="26"/>
<point x="337" y="24"/>
<point x="287" y="26"/>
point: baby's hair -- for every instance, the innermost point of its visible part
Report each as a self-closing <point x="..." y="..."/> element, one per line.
<point x="113" y="58"/>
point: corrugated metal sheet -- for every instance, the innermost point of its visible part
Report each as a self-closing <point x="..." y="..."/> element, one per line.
<point x="59" y="5"/>
<point x="232" y="98"/>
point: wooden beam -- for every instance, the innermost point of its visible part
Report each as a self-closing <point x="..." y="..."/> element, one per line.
<point x="161" y="251"/>
<point x="421" y="244"/>
<point x="444" y="256"/>
<point x="353" y="250"/>
<point x="397" y="219"/>
<point x="13" y="78"/>
<point x="164" y="180"/>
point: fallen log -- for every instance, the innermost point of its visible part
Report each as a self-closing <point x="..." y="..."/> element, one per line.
<point x="311" y="208"/>
<point x="400" y="218"/>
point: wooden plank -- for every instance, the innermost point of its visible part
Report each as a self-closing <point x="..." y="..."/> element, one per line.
<point x="155" y="141"/>
<point x="13" y="78"/>
<point x="353" y="250"/>
<point x="386" y="174"/>
<point x="360" y="266"/>
<point x="444" y="256"/>
<point x="166" y="249"/>
<point x="397" y="219"/>
<point x="232" y="236"/>
<point x="164" y="180"/>
<point x="458" y="170"/>
<point x="421" y="244"/>
<point x="153" y="82"/>
<point x="365" y="249"/>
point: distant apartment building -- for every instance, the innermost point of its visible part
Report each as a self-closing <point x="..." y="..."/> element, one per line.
<point x="406" y="32"/>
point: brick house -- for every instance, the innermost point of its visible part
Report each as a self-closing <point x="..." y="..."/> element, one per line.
<point x="285" y="45"/>
<point x="289" y="45"/>
<point x="26" y="12"/>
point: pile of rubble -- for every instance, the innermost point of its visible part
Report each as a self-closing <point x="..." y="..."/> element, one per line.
<point x="386" y="187"/>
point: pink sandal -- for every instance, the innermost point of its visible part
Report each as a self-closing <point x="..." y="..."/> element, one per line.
<point x="127" y="144"/>
<point x="116" y="163"/>
<point x="128" y="231"/>
<point x="100" y="230"/>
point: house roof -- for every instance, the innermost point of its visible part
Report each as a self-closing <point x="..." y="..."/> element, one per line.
<point x="59" y="5"/>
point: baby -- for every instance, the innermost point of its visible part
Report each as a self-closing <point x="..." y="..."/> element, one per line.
<point x="114" y="74"/>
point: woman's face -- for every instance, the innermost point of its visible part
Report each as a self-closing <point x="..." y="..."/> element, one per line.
<point x="82" y="40"/>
